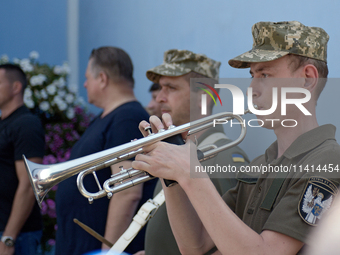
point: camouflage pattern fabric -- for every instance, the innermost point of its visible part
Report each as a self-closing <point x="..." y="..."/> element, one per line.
<point x="274" y="40"/>
<point x="180" y="62"/>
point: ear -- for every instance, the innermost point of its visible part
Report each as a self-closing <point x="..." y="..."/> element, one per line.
<point x="311" y="77"/>
<point x="103" y="78"/>
<point x="17" y="87"/>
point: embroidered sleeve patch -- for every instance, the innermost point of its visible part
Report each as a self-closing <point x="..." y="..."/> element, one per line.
<point x="316" y="199"/>
<point x="238" y="158"/>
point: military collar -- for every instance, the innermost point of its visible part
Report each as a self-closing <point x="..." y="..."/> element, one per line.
<point x="302" y="144"/>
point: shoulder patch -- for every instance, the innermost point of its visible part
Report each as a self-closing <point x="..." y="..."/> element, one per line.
<point x="238" y="158"/>
<point x="316" y="199"/>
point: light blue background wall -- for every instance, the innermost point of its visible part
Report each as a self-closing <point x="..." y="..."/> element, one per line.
<point x="146" y="28"/>
<point x="218" y="28"/>
<point x="34" y="25"/>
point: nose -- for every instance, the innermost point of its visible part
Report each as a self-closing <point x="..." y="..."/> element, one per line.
<point x="255" y="88"/>
<point x="161" y="96"/>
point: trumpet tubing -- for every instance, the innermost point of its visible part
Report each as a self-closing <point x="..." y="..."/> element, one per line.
<point x="44" y="177"/>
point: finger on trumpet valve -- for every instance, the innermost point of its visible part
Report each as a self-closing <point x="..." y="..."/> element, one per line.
<point x="149" y="130"/>
<point x="171" y="126"/>
<point x="161" y="130"/>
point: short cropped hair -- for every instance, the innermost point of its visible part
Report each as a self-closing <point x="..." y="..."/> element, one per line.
<point x="297" y="61"/>
<point x="15" y="73"/>
<point x="115" y="62"/>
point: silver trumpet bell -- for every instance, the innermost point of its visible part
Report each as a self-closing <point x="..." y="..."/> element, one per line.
<point x="44" y="177"/>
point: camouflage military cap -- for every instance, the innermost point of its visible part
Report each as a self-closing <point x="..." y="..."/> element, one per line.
<point x="275" y="40"/>
<point x="180" y="62"/>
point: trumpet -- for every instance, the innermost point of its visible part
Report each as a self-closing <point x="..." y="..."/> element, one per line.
<point x="44" y="177"/>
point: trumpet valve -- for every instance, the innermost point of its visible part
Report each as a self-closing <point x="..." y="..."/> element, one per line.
<point x="149" y="130"/>
<point x="122" y="170"/>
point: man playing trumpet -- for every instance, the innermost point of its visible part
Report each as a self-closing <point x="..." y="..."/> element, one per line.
<point x="267" y="216"/>
<point x="181" y="99"/>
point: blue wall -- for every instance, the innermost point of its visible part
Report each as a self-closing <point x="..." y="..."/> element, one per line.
<point x="146" y="28"/>
<point x="34" y="25"/>
<point x="218" y="28"/>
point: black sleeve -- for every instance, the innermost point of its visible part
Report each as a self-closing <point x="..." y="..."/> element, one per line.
<point x="28" y="138"/>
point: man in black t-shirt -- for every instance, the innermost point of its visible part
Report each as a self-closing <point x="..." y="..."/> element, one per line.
<point x="109" y="83"/>
<point x="20" y="133"/>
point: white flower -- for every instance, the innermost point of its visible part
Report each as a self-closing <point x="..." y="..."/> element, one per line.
<point x="62" y="70"/>
<point x="26" y="65"/>
<point x="43" y="94"/>
<point x="62" y="82"/>
<point x="4" y="58"/>
<point x="73" y="88"/>
<point x="29" y="102"/>
<point x="57" y="99"/>
<point x="81" y="101"/>
<point x="58" y="70"/>
<point x="44" y="106"/>
<point x="34" y="55"/>
<point x="69" y="98"/>
<point x="70" y="113"/>
<point x="60" y="103"/>
<point x="51" y="89"/>
<point x="28" y="92"/>
<point x="61" y="93"/>
<point x="66" y="68"/>
<point x="38" y="79"/>
<point x="16" y="61"/>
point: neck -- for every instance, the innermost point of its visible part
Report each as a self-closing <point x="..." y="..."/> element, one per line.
<point x="114" y="95"/>
<point x="287" y="135"/>
<point x="10" y="107"/>
<point x="114" y="103"/>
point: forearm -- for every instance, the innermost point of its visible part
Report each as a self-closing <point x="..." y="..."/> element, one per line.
<point x="226" y="230"/>
<point x="121" y="211"/>
<point x="22" y="206"/>
<point x="23" y="200"/>
<point x="186" y="226"/>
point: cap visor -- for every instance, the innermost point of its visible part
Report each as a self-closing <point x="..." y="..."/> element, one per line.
<point x="255" y="56"/>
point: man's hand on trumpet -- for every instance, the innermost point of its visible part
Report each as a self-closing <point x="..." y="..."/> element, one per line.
<point x="162" y="159"/>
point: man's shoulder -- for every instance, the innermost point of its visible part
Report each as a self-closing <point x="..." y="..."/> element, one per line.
<point x="329" y="149"/>
<point x="25" y="120"/>
<point x="131" y="110"/>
